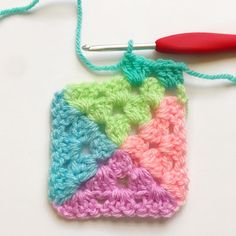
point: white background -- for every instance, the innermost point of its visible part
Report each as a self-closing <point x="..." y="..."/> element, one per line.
<point x="37" y="58"/>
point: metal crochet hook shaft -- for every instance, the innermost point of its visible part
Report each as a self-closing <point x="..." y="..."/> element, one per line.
<point x="118" y="47"/>
<point x="186" y="43"/>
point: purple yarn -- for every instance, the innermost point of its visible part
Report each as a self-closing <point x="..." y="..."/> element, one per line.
<point x="119" y="189"/>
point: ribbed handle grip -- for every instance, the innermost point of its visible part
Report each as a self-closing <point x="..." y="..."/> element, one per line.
<point x="196" y="43"/>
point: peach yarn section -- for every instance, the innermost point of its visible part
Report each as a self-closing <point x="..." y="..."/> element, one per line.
<point x="160" y="147"/>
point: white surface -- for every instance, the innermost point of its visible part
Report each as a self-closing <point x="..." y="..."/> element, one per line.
<point x="37" y="58"/>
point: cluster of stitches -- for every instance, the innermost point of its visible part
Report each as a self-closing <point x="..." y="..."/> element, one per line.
<point x="118" y="150"/>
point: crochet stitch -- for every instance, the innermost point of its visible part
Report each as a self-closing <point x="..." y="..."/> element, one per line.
<point x="160" y="147"/>
<point x="118" y="148"/>
<point x="77" y="147"/>
<point x="80" y="187"/>
<point x="119" y="189"/>
<point x="116" y="105"/>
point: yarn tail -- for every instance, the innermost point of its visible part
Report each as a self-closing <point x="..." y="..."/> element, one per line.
<point x="210" y="77"/>
<point x="115" y="67"/>
<point x="18" y="10"/>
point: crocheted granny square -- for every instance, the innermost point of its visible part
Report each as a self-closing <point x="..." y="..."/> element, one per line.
<point x="118" y="150"/>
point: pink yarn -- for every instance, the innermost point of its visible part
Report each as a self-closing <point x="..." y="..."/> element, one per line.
<point x="160" y="148"/>
<point x="119" y="189"/>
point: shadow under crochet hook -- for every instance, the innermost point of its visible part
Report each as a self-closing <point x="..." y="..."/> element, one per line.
<point x="186" y="43"/>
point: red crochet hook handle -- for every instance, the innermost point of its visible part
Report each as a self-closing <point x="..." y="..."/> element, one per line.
<point x="196" y="43"/>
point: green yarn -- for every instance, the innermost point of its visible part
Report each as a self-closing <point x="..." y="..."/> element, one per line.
<point x="181" y="93"/>
<point x="116" y="105"/>
<point x="136" y="68"/>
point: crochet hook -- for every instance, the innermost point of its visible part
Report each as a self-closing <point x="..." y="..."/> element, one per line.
<point x="185" y="43"/>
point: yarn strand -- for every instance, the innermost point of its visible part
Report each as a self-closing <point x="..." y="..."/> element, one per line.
<point x="114" y="68"/>
<point x="18" y="10"/>
<point x="120" y="65"/>
<point x="210" y="77"/>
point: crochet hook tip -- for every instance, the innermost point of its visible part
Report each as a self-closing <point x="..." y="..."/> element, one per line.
<point x="117" y="47"/>
<point x="86" y="47"/>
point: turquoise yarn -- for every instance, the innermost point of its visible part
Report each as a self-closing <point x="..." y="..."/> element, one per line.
<point x="18" y="10"/>
<point x="210" y="77"/>
<point x="138" y="68"/>
<point x="77" y="148"/>
<point x="135" y="67"/>
<point x="168" y="72"/>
